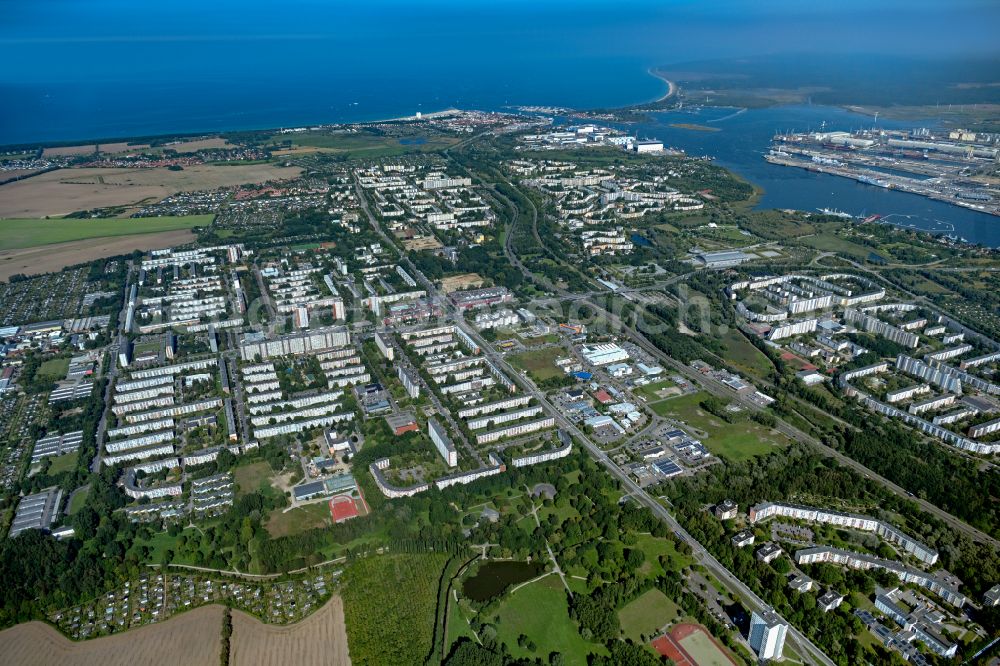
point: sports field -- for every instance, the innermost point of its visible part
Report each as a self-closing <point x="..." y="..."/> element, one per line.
<point x="691" y="645"/>
<point x="22" y="233"/>
<point x="646" y="614"/>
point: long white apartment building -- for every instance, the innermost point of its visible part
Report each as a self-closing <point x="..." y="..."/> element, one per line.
<point x="890" y="533"/>
<point x="491" y="407"/>
<point x="174" y="411"/>
<point x="115" y="446"/>
<point x="300" y="426"/>
<point x="443" y="443"/>
<point x="175" y="369"/>
<point x="153" y="451"/>
<point x="138" y="428"/>
<point x="872" y="324"/>
<point x="951" y="352"/>
<point x="503" y="417"/>
<point x="907" y="392"/>
<point x="792" y="328"/>
<point x="142" y="405"/>
<point x="131" y="385"/>
<point x="515" y="430"/>
<point x="984" y="429"/>
<point x="932" y="403"/>
<point x="296" y="343"/>
<point x="929" y="581"/>
<point x="936" y="376"/>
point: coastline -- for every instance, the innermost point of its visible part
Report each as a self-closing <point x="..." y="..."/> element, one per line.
<point x="671" y="86"/>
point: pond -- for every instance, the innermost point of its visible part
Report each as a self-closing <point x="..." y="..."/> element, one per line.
<point x="495" y="577"/>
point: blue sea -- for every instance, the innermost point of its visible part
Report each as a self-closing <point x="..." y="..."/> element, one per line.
<point x="120" y="68"/>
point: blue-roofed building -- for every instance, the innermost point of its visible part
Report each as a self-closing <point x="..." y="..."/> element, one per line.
<point x="583" y="376"/>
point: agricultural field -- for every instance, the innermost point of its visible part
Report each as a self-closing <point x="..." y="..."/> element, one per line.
<point x="362" y="145"/>
<point x="734" y="441"/>
<point x="320" y="639"/>
<point x="645" y="615"/>
<point x="26" y="233"/>
<point x="65" y="191"/>
<point x="189" y="639"/>
<point x="390" y="604"/>
<point x="540" y="363"/>
<point x="539" y="610"/>
<point x="51" y="258"/>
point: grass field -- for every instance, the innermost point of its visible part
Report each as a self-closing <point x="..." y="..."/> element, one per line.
<point x="25" y="233"/>
<point x="77" y="502"/>
<point x="281" y="523"/>
<point x="741" y="353"/>
<point x="64" y="463"/>
<point x="646" y="614"/>
<point x="651" y="391"/>
<point x="540" y="612"/>
<point x="54" y="367"/>
<point x="655" y="548"/>
<point x="735" y="441"/>
<point x="253" y="477"/>
<point x="360" y="145"/>
<point x="540" y="363"/>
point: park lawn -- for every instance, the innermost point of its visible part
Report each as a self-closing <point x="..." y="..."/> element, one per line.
<point x="645" y="614"/>
<point x="741" y="353"/>
<point x="540" y="363"/>
<point x="458" y="624"/>
<point x="285" y="523"/>
<point x="77" y="502"/>
<point x="17" y="234"/>
<point x="564" y="512"/>
<point x="64" y="463"/>
<point x="828" y="241"/>
<point x="253" y="477"/>
<point x="539" y="610"/>
<point x="654" y="548"/>
<point x="54" y="367"/>
<point x="735" y="441"/>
